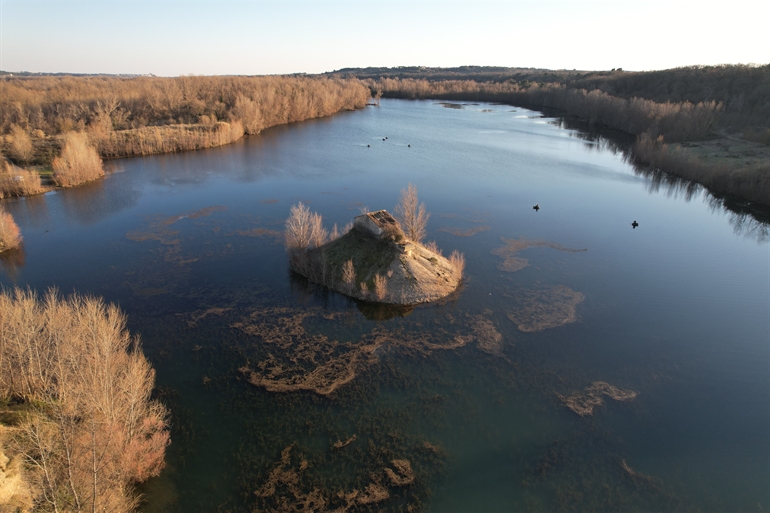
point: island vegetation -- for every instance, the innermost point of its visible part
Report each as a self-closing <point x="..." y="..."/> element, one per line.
<point x="708" y="124"/>
<point x="376" y="258"/>
<point x="78" y="427"/>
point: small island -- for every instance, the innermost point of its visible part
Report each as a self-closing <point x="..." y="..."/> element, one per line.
<point x="373" y="260"/>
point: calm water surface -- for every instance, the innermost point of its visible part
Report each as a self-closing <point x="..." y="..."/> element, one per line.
<point x="677" y="310"/>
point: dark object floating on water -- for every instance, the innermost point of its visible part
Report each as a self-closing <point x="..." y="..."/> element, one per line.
<point x="384" y="138"/>
<point x="536" y="207"/>
<point x="634" y="224"/>
<point x="368" y="145"/>
<point x="408" y="145"/>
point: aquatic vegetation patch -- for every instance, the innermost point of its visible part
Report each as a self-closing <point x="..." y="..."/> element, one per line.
<point x="192" y="319"/>
<point x="292" y="359"/>
<point x="275" y="235"/>
<point x="587" y="471"/>
<point x="510" y="247"/>
<point x="159" y="230"/>
<point x="458" y="232"/>
<point x="486" y="336"/>
<point x="537" y="310"/>
<point x="287" y="488"/>
<point x="300" y="360"/>
<point x="584" y="403"/>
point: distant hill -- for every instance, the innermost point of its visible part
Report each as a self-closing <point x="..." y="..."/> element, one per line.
<point x="64" y="74"/>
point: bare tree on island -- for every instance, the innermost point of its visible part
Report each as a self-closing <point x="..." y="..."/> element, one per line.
<point x="304" y="230"/>
<point x="412" y="214"/>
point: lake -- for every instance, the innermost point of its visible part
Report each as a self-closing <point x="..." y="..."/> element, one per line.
<point x="472" y="392"/>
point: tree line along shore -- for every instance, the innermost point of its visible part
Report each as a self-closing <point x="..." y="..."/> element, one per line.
<point x="56" y="130"/>
<point x="708" y="124"/>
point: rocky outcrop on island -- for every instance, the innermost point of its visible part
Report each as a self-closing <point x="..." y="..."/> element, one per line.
<point x="375" y="261"/>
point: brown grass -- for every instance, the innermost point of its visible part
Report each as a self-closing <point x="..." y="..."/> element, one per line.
<point x="10" y="235"/>
<point x="457" y="260"/>
<point x="91" y="429"/>
<point x="433" y="247"/>
<point x="78" y="163"/>
<point x="17" y="181"/>
<point x="380" y="286"/>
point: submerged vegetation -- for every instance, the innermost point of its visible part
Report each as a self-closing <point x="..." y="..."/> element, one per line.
<point x="78" y="425"/>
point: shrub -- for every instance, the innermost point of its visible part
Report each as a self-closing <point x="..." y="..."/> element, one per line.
<point x="88" y="386"/>
<point x="78" y="163"/>
<point x="380" y="286"/>
<point x="10" y="235"/>
<point x="16" y="181"/>
<point x="433" y="247"/>
<point x="457" y="260"/>
<point x="348" y="273"/>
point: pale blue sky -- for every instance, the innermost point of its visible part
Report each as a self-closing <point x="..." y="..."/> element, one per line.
<point x="173" y="37"/>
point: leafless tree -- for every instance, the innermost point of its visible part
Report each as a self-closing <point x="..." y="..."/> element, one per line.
<point x="299" y="232"/>
<point x="412" y="214"/>
<point x="92" y="429"/>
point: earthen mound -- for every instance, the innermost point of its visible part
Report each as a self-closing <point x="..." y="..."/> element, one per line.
<point x="375" y="262"/>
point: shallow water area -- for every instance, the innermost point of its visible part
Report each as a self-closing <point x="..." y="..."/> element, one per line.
<point x="281" y="391"/>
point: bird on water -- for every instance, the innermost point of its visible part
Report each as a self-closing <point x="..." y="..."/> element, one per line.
<point x="536" y="207"/>
<point x="634" y="224"/>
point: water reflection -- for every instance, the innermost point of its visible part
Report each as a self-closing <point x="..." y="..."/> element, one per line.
<point x="11" y="261"/>
<point x="307" y="292"/>
<point x="29" y="211"/>
<point x="93" y="202"/>
<point x="751" y="221"/>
